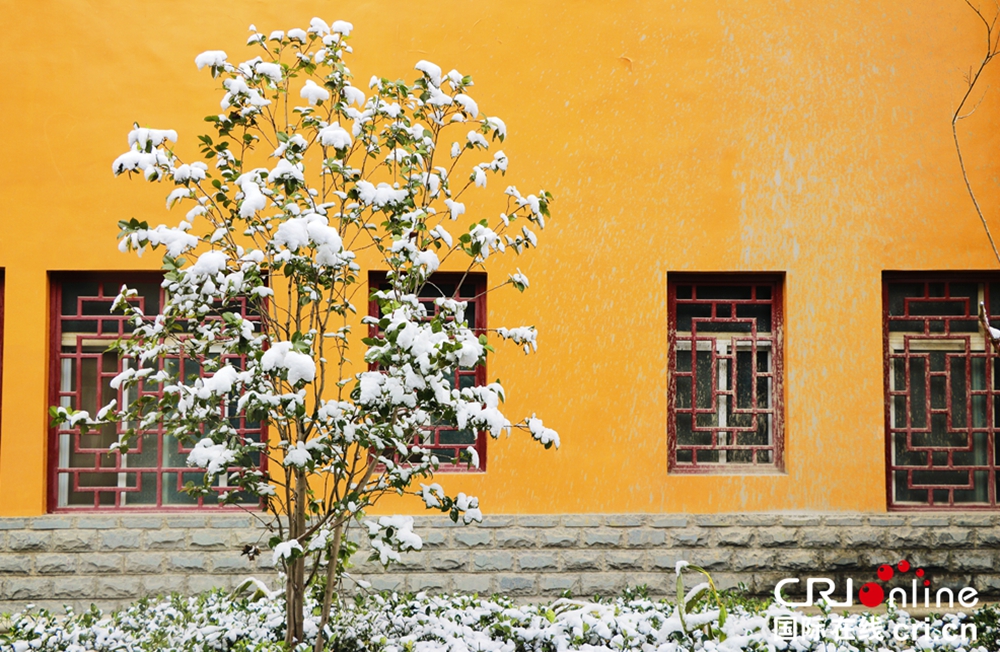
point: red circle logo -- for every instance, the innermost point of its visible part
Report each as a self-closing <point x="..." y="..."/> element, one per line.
<point x="871" y="594"/>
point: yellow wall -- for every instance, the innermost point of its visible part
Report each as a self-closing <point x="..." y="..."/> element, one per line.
<point x="794" y="136"/>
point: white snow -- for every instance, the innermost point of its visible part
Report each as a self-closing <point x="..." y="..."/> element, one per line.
<point x="212" y="457"/>
<point x="432" y="71"/>
<point x="334" y="136"/>
<point x="211" y="58"/>
<point x="313" y="93"/>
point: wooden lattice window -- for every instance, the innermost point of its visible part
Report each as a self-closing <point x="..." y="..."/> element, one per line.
<point x="447" y="442"/>
<point x="725" y="366"/>
<point x="942" y="387"/>
<point x="83" y="473"/>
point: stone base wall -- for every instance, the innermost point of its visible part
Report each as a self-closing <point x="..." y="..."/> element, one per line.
<point x="110" y="560"/>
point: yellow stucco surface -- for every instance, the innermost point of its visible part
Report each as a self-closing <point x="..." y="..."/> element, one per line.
<point x="809" y="138"/>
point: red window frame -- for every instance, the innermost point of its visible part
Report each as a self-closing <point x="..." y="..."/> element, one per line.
<point x="472" y="288"/>
<point x="942" y="391"/>
<point x="728" y="316"/>
<point x="76" y="347"/>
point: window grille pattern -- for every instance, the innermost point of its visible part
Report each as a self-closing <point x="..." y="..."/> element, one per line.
<point x="446" y="442"/>
<point x="943" y="393"/>
<point x="84" y="474"/>
<point x="725" y="407"/>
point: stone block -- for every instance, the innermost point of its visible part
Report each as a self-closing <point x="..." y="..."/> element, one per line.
<point x="583" y="520"/>
<point x="142" y="521"/>
<point x="795" y="560"/>
<point x="515" y="585"/>
<point x="582" y="560"/>
<point x="667" y="559"/>
<point x="642" y="538"/>
<point x="625" y="520"/>
<point x="120" y="539"/>
<point x="845" y="521"/>
<point x="559" y="538"/>
<point x="144" y="562"/>
<point x="436" y="583"/>
<point x="51" y="523"/>
<point x="471" y="583"/>
<point x="13" y="523"/>
<point x="541" y="561"/>
<point x="711" y="558"/>
<point x="883" y="520"/>
<point x="448" y="560"/>
<point x="187" y="562"/>
<point x="690" y="538"/>
<point x="166" y="540"/>
<point x="625" y="560"/>
<point x="973" y="520"/>
<point x="934" y="521"/>
<point x="988" y="585"/>
<point x="27" y="588"/>
<point x="753" y="560"/>
<point x="473" y="538"/>
<point x="950" y="538"/>
<point x="410" y="561"/>
<point x="862" y="537"/>
<point x="118" y="588"/>
<point x="209" y="538"/>
<point x="756" y="520"/>
<point x="230" y="562"/>
<point x="104" y="563"/>
<point x="55" y="564"/>
<point x="557" y="584"/>
<point x="14" y="564"/>
<point x="972" y="560"/>
<point x="493" y="561"/>
<point x="542" y="521"/>
<point x="97" y="522"/>
<point x="205" y="583"/>
<point x="714" y="520"/>
<point x="28" y="541"/>
<point x="495" y="521"/>
<point x="602" y="584"/>
<point x="153" y="585"/>
<point x="668" y="520"/>
<point x="602" y="538"/>
<point x="515" y="538"/>
<point x="819" y="537"/>
<point x="776" y="537"/>
<point x="841" y="560"/>
<point x="231" y="522"/>
<point x="435" y="538"/>
<point x="733" y="536"/>
<point x="73" y="588"/>
<point x="988" y="537"/>
<point x="74" y="540"/>
<point x="387" y="582"/>
<point x="186" y="521"/>
<point x="801" y="520"/>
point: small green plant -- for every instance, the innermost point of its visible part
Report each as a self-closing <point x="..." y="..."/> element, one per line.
<point x="686" y="604"/>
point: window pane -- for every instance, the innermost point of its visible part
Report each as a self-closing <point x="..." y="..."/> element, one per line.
<point x="722" y="358"/>
<point x="938" y="365"/>
<point x="87" y="474"/>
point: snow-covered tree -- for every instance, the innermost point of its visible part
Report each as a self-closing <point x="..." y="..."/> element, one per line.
<point x="303" y="175"/>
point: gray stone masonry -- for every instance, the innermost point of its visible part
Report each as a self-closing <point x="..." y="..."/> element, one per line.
<point x="110" y="560"/>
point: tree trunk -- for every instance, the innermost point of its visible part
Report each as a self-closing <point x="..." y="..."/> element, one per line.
<point x="331" y="581"/>
<point x="295" y="587"/>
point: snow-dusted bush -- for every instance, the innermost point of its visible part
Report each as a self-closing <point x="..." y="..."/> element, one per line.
<point x="421" y="623"/>
<point x="303" y="175"/>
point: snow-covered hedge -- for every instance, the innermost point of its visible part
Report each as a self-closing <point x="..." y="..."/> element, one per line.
<point x="423" y="623"/>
